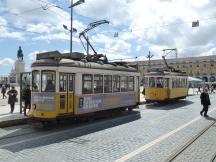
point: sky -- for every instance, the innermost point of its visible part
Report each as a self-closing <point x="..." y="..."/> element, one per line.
<point x="141" y="26"/>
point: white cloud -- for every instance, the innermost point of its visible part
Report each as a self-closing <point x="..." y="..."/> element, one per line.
<point x="155" y="25"/>
<point x="39" y="28"/>
<point x="30" y="16"/>
<point x="5" y="33"/>
<point x="138" y="48"/>
<point x="7" y="61"/>
<point x="32" y="55"/>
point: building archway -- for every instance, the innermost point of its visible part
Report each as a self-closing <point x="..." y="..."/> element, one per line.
<point x="212" y="79"/>
<point x="205" y="79"/>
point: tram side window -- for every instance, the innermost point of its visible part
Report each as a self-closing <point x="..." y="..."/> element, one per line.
<point x="160" y="82"/>
<point x="166" y="82"/>
<point x="130" y="83"/>
<point x="36" y="81"/>
<point x="173" y="83"/>
<point x="185" y="83"/>
<point x="48" y="81"/>
<point x="87" y="84"/>
<point x="145" y="82"/>
<point x="152" y="82"/>
<point x="98" y="83"/>
<point x="116" y="83"/>
<point x="62" y="83"/>
<point x="124" y="81"/>
<point x="107" y="83"/>
<point x="71" y="82"/>
<point x="178" y="83"/>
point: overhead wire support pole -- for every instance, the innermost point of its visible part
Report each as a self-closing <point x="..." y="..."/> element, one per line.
<point x="71" y="27"/>
<point x="149" y="56"/>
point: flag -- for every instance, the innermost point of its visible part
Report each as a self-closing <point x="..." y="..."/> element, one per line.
<point x="115" y="34"/>
<point x="195" y="23"/>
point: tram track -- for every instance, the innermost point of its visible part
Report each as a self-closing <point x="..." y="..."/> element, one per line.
<point x="74" y="129"/>
<point x="190" y="142"/>
<point x="213" y="158"/>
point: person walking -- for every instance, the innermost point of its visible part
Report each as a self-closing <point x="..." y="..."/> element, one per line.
<point x="12" y="98"/>
<point x="205" y="101"/>
<point x="199" y="90"/>
<point x="3" y="91"/>
<point x="27" y="98"/>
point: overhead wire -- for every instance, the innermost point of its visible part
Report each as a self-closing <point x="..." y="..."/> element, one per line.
<point x="116" y="28"/>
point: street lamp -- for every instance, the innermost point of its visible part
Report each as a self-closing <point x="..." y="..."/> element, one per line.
<point x="71" y="30"/>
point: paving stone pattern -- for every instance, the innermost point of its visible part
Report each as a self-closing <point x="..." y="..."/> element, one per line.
<point x="112" y="143"/>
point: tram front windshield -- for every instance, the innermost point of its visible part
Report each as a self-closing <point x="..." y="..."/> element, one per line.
<point x="156" y="82"/>
<point x="48" y="81"/>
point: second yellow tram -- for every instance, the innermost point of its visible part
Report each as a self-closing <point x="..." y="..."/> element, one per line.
<point x="165" y="85"/>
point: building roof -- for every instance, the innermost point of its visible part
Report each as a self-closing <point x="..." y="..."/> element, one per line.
<point x="199" y="59"/>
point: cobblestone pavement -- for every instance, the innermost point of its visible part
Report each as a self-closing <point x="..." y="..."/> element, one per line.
<point x="111" y="139"/>
<point x="202" y="149"/>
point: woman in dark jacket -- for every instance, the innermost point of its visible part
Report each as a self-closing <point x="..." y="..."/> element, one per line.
<point x="12" y="98"/>
<point x="205" y="101"/>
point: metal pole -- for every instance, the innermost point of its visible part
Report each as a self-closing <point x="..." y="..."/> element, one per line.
<point x="71" y="31"/>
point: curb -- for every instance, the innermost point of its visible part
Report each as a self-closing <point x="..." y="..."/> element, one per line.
<point x="9" y="123"/>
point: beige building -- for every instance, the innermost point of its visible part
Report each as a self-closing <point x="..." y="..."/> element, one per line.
<point x="203" y="67"/>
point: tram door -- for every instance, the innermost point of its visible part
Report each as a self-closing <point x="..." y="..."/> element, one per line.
<point x="66" y="89"/>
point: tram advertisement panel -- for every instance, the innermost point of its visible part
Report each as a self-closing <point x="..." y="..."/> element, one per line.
<point x="44" y="101"/>
<point x="98" y="102"/>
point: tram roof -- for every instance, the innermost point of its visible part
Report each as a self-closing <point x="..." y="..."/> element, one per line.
<point x="55" y="58"/>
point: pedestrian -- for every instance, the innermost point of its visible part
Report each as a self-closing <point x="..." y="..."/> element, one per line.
<point x="212" y="89"/>
<point x="12" y="98"/>
<point x="143" y="92"/>
<point x="27" y="98"/>
<point x="205" y="101"/>
<point x="199" y="90"/>
<point x="9" y="86"/>
<point x="3" y="91"/>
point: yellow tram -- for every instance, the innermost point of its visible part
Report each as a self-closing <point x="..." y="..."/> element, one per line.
<point x="69" y="86"/>
<point x="165" y="85"/>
